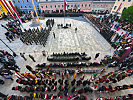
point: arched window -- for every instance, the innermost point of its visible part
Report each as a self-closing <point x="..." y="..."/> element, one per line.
<point x="25" y="7"/>
<point x="85" y="5"/>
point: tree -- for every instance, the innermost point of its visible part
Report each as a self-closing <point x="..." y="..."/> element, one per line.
<point x="127" y="14"/>
<point x="18" y="10"/>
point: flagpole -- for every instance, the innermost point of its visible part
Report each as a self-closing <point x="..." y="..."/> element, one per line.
<point x="64" y="11"/>
<point x="65" y="8"/>
<point x="64" y="17"/>
<point x="36" y="13"/>
<point x="19" y="19"/>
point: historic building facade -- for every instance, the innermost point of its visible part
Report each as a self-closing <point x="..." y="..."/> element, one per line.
<point x="26" y="5"/>
<point x="82" y="5"/>
<point x="120" y="5"/>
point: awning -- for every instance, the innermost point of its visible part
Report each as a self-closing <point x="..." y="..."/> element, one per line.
<point x="86" y="10"/>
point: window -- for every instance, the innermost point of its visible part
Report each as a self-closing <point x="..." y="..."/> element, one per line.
<point x="62" y="6"/>
<point x="101" y="5"/>
<point x="115" y="7"/>
<point x="97" y="5"/>
<point x="18" y="1"/>
<point x="21" y="7"/>
<point x="46" y="6"/>
<point x="23" y="1"/>
<point x="55" y="6"/>
<point x="27" y="0"/>
<point x="118" y="0"/>
<point x="58" y="6"/>
<point x="50" y="6"/>
<point x="78" y="5"/>
<point x="71" y="5"/>
<point x="82" y="5"/>
<point x="129" y="0"/>
<point x="68" y="5"/>
<point x="85" y="5"/>
<point x="13" y="1"/>
<point x="29" y="6"/>
<point x="123" y="0"/>
<point x="25" y="7"/>
<point x="93" y="5"/>
<point x="36" y="0"/>
<point x="41" y="6"/>
<point x="89" y="5"/>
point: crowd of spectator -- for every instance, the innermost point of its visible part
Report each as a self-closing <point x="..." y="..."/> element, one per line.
<point x="8" y="65"/>
<point x="13" y="30"/>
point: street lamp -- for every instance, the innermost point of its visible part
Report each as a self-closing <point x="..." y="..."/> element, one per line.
<point x="14" y="54"/>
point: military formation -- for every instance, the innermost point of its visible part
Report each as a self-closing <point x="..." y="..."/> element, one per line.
<point x="37" y="36"/>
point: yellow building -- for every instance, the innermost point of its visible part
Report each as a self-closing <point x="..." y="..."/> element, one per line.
<point x="2" y="9"/>
<point x="120" y="5"/>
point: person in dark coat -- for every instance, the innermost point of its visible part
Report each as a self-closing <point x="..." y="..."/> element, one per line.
<point x="32" y="57"/>
<point x="1" y="82"/>
<point x="54" y="34"/>
<point x="73" y="89"/>
<point x="79" y="82"/>
<point x="22" y="55"/>
<point x="29" y="68"/>
<point x="96" y="56"/>
<point x="73" y="82"/>
<point x="81" y="91"/>
<point x="54" y="88"/>
<point x="75" y="29"/>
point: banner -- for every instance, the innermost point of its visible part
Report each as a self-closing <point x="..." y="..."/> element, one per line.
<point x="65" y="5"/>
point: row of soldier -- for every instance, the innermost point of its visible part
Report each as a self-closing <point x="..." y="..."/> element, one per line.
<point x="37" y="36"/>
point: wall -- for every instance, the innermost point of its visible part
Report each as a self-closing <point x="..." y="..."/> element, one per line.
<point x="87" y="5"/>
<point x="124" y="4"/>
<point x="26" y="5"/>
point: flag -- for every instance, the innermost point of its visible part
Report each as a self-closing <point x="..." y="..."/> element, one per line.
<point x="119" y="7"/>
<point x="65" y="5"/>
<point x="18" y="75"/>
<point x="2" y="8"/>
<point x="8" y="8"/>
<point x="15" y="11"/>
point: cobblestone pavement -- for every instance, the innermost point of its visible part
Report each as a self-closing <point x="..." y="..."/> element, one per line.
<point x="86" y="39"/>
